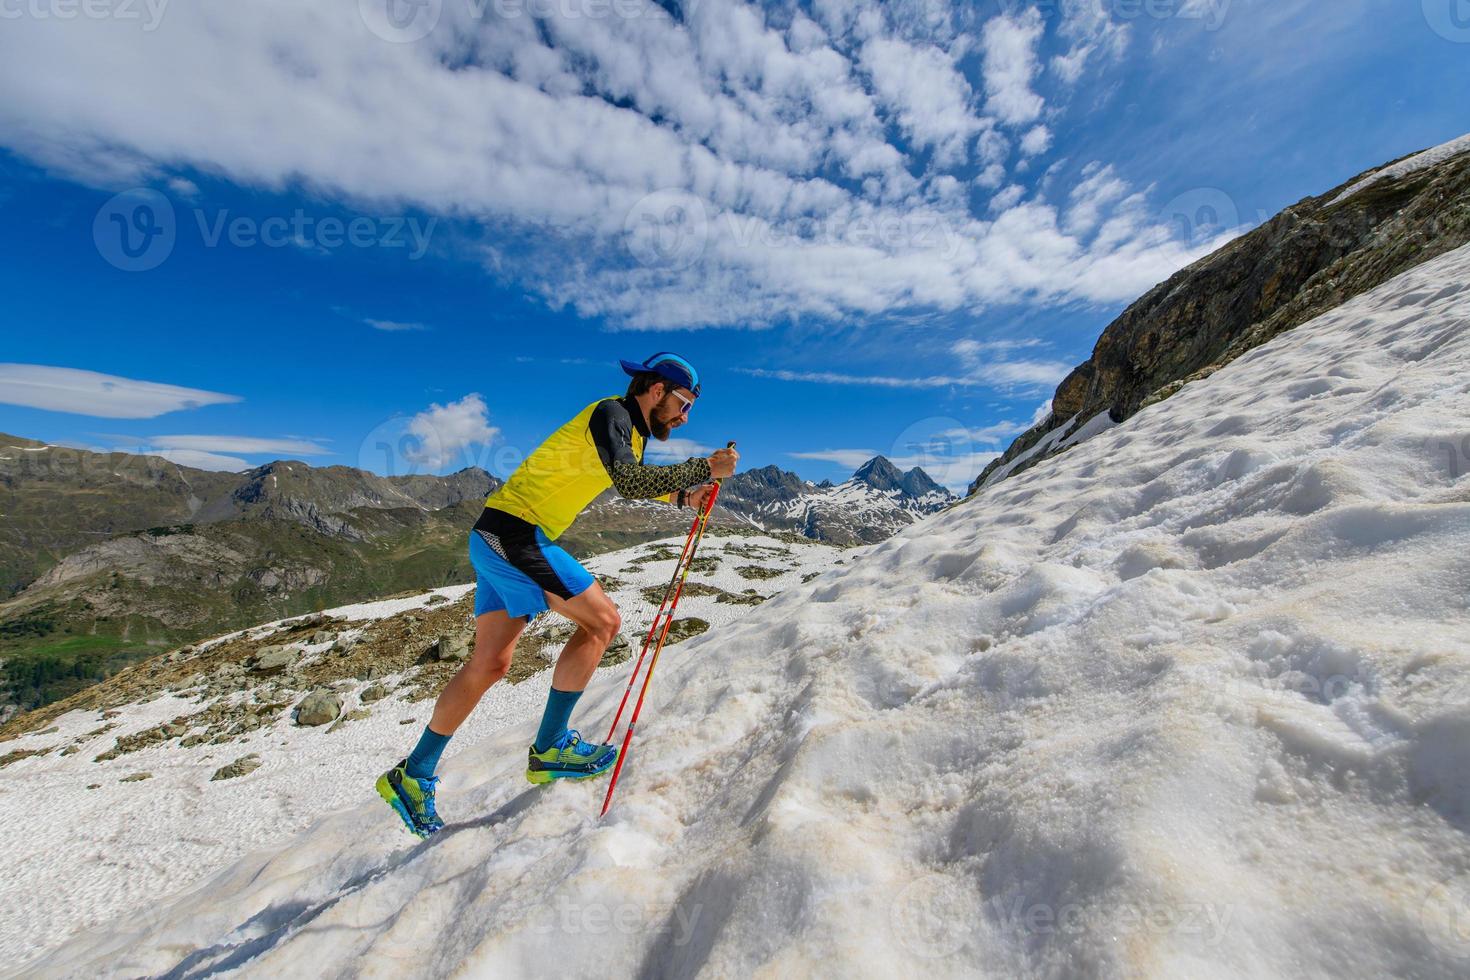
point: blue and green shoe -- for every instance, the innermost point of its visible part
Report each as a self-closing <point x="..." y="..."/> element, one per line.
<point x="412" y="799"/>
<point x="570" y="758"/>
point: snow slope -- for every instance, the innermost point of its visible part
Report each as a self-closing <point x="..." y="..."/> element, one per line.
<point x="1191" y="700"/>
<point x="1409" y="165"/>
<point x="101" y="854"/>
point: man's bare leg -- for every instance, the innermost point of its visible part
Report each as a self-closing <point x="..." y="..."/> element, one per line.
<point x="597" y="622"/>
<point x="495" y="644"/>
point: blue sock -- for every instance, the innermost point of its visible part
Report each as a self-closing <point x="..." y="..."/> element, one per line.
<point x="424" y="758"/>
<point x="559" y="705"/>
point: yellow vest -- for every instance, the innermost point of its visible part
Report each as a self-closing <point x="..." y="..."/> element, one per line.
<point x="556" y="482"/>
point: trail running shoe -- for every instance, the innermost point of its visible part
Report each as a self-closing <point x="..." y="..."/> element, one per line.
<point x="412" y="799"/>
<point x="570" y="758"/>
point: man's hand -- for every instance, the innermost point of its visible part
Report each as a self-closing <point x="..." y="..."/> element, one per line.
<point x="722" y="463"/>
<point x="696" y="495"/>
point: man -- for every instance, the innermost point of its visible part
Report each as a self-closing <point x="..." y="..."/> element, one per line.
<point x="521" y="572"/>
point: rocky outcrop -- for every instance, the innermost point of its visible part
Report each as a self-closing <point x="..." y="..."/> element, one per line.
<point x="1310" y="258"/>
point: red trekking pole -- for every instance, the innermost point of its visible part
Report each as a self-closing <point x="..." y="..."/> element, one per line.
<point x="661" y="619"/>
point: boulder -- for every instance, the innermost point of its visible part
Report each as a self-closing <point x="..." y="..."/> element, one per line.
<point x="452" y="646"/>
<point x="269" y="659"/>
<point x="241" y="766"/>
<point x="318" y="708"/>
<point x="373" y="692"/>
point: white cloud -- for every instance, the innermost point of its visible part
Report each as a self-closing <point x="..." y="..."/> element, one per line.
<point x="990" y="433"/>
<point x="79" y="392"/>
<point x="988" y="365"/>
<point x="1090" y="28"/>
<point x="992" y="363"/>
<point x="566" y="127"/>
<point x="929" y="95"/>
<point x="1009" y="43"/>
<point x="851" y="458"/>
<point x="880" y="381"/>
<point x="202" y="460"/>
<point x="1036" y="141"/>
<point x="237" y="444"/>
<point x="183" y="187"/>
<point x="674" y="448"/>
<point x="444" y="432"/>
<point x="394" y="326"/>
<point x="1007" y="198"/>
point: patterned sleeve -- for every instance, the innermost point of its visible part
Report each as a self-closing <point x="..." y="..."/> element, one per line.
<point x="612" y="432"/>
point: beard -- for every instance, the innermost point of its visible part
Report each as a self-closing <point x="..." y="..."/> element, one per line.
<point x="659" y="425"/>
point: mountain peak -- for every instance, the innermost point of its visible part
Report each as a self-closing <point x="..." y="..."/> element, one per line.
<point x="916" y="483"/>
<point x="879" y="474"/>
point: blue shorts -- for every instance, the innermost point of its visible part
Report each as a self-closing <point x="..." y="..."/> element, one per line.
<point x="516" y="565"/>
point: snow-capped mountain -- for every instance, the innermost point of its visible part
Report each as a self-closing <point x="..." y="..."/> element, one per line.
<point x="1188" y="700"/>
<point x="877" y="501"/>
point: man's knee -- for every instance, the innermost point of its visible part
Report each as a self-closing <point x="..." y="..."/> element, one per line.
<point x="606" y="623"/>
<point x="488" y="666"/>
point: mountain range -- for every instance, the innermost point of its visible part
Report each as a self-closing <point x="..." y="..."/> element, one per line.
<point x="108" y="557"/>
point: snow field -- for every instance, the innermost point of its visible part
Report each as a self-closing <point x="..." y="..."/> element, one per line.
<point x="1192" y="699"/>
<point x="112" y="850"/>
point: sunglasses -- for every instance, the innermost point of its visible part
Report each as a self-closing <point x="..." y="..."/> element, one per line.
<point x="687" y="402"/>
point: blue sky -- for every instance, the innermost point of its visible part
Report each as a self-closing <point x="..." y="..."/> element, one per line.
<point x="419" y="243"/>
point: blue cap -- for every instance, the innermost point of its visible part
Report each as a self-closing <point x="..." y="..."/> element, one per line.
<point x="670" y="367"/>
